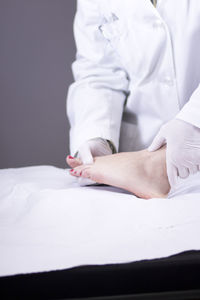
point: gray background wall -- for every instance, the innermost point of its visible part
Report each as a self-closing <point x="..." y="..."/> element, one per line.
<point x="36" y="52"/>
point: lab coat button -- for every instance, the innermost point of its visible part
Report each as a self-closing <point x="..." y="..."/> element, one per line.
<point x="168" y="81"/>
<point x="158" y="24"/>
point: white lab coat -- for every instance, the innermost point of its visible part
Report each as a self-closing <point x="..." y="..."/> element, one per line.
<point x="136" y="67"/>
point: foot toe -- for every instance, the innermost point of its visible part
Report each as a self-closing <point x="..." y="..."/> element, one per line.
<point x="73" y="161"/>
<point x="86" y="173"/>
<point x="80" y="171"/>
<point x="73" y="173"/>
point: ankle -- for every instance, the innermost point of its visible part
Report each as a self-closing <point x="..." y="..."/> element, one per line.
<point x="149" y="163"/>
<point x="155" y="164"/>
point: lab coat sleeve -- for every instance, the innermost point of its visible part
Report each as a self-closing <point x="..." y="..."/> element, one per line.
<point x="191" y="110"/>
<point x="96" y="99"/>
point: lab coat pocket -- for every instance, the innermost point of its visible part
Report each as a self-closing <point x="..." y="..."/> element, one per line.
<point x="113" y="29"/>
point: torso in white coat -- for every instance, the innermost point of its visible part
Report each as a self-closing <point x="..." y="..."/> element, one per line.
<point x="159" y="48"/>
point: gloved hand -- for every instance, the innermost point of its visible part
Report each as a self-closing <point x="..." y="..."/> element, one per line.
<point x="90" y="149"/>
<point x="182" y="151"/>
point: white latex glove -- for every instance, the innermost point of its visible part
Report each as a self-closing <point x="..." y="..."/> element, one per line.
<point x="182" y="151"/>
<point x="89" y="149"/>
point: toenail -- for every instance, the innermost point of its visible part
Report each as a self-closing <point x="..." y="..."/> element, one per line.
<point x="80" y="173"/>
<point x="74" y="172"/>
<point x="70" y="157"/>
<point x="71" y="170"/>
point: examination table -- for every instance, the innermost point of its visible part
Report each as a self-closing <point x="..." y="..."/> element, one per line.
<point x="59" y="240"/>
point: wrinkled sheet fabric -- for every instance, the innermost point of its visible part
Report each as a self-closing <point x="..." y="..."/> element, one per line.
<point x="48" y="222"/>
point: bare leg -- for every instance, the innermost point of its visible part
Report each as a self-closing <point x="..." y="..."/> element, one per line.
<point x="143" y="173"/>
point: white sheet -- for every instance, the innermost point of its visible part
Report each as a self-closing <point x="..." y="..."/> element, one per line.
<point x="48" y="222"/>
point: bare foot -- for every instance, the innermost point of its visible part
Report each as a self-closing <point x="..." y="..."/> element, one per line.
<point x="143" y="173"/>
